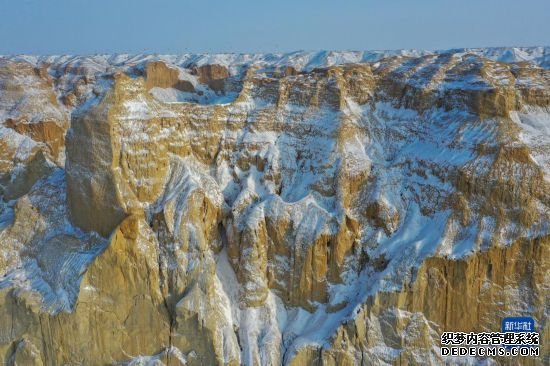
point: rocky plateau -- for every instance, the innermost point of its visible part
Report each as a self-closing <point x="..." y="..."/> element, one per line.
<point x="310" y="208"/>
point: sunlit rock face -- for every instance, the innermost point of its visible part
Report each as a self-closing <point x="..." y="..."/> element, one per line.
<point x="331" y="208"/>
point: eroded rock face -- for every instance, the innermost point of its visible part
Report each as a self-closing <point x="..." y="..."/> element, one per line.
<point x="29" y="105"/>
<point x="212" y="75"/>
<point x="157" y="74"/>
<point x="48" y="132"/>
<point x="310" y="214"/>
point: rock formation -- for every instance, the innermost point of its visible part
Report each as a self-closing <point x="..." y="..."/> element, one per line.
<point x="157" y="74"/>
<point x="244" y="209"/>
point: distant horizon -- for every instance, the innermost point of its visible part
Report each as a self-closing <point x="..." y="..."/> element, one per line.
<point x="440" y="50"/>
<point x="173" y="27"/>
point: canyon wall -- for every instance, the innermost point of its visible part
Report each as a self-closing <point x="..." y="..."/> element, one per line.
<point x="311" y="209"/>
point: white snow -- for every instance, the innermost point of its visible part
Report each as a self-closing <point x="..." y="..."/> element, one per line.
<point x="535" y="133"/>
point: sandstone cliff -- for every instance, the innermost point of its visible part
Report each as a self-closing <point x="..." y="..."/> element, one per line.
<point x="250" y="210"/>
